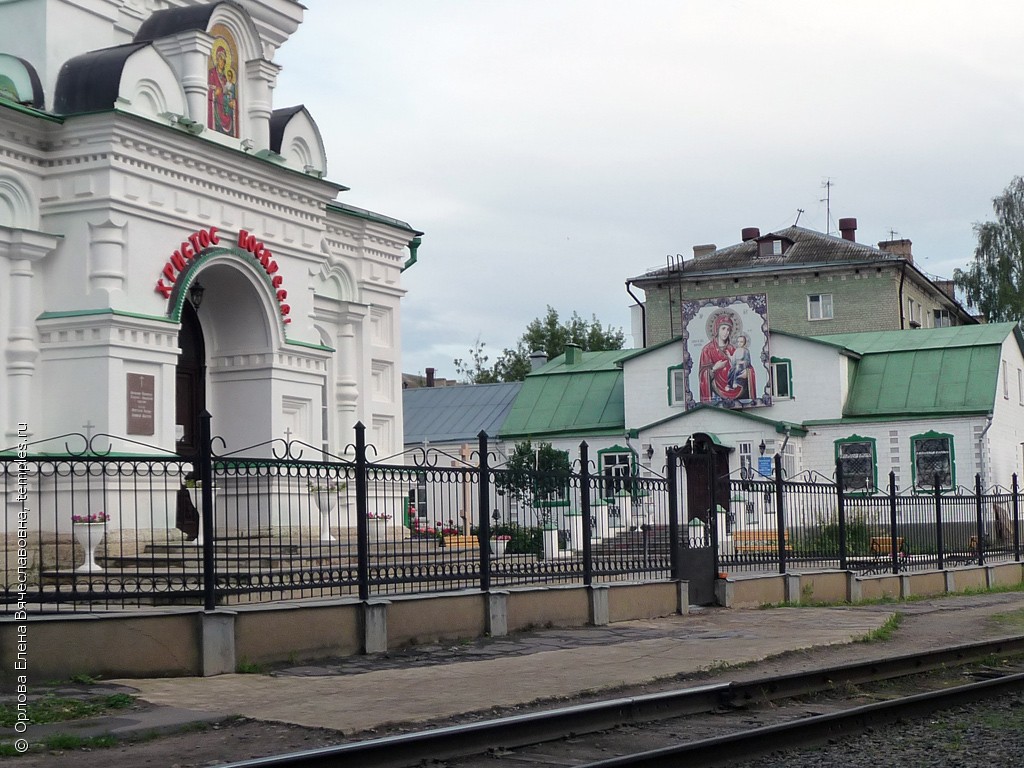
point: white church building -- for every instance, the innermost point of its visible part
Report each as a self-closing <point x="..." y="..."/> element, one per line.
<point x="169" y="241"/>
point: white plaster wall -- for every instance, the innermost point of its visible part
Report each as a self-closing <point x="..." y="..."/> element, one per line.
<point x="819" y="383"/>
<point x="1005" y="437"/>
<point x="645" y="382"/>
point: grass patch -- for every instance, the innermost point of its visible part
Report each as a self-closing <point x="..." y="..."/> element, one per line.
<point x="57" y="709"/>
<point x="246" y="667"/>
<point x="884" y="632"/>
<point x="1013" y="620"/>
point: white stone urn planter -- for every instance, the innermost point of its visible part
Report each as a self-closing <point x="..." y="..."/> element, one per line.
<point x="498" y="545"/>
<point x="89" y="536"/>
<point x="377" y="528"/>
<point x="326" y="494"/>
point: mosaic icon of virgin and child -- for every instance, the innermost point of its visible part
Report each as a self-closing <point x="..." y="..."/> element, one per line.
<point x="223" y="93"/>
<point x="726" y="370"/>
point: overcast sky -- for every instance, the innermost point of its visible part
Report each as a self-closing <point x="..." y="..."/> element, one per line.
<point x="552" y="149"/>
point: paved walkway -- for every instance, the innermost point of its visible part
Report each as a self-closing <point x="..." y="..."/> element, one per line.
<point x="428" y="683"/>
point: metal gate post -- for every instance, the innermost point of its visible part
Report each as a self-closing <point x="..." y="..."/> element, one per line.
<point x="894" y="555"/>
<point x="675" y="555"/>
<point x="938" y="522"/>
<point x="205" y="461"/>
<point x="484" y="519"/>
<point x="588" y="528"/>
<point x="841" y="511"/>
<point x="1016" y="519"/>
<point x="981" y="519"/>
<point x="780" y="513"/>
<point x="362" y="508"/>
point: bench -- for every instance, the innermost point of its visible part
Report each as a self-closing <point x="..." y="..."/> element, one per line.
<point x="882" y="545"/>
<point x="459" y="541"/>
<point x="763" y="542"/>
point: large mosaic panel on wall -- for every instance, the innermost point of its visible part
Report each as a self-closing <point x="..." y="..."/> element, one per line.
<point x="726" y="361"/>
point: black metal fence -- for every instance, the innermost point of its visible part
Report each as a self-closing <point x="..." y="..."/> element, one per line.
<point x="809" y="521"/>
<point x="88" y="529"/>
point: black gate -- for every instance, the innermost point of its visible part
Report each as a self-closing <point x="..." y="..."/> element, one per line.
<point x="705" y="471"/>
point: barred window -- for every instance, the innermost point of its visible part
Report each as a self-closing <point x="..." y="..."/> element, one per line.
<point x="857" y="461"/>
<point x="933" y="456"/>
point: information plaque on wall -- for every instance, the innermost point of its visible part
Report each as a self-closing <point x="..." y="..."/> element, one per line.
<point x="141" y="403"/>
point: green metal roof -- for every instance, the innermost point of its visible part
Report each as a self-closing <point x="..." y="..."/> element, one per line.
<point x="924" y="338"/>
<point x="935" y="371"/>
<point x="585" y="396"/>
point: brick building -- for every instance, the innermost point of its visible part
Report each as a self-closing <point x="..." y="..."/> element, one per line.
<point x="815" y="284"/>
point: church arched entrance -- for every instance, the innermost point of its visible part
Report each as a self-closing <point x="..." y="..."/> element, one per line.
<point x="190" y="381"/>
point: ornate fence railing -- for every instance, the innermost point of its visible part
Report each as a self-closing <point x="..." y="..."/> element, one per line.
<point x="89" y="529"/>
<point x="873" y="530"/>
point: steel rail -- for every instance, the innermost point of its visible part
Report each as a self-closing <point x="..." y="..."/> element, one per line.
<point x="549" y="725"/>
<point x="811" y="731"/>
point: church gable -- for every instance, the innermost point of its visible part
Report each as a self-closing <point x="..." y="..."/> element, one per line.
<point x="295" y="137"/>
<point x="19" y="82"/>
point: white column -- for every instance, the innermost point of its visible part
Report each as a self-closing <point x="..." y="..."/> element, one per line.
<point x="22" y="248"/>
<point x="106" y="257"/>
<point x="262" y="77"/>
<point x="347" y="368"/>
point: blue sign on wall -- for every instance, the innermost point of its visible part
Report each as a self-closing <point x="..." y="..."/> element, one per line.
<point x="764" y="465"/>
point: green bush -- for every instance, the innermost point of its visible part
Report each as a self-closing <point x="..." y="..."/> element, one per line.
<point x="522" y="540"/>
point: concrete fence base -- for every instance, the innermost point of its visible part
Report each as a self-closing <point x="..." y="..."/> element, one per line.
<point x="159" y="642"/>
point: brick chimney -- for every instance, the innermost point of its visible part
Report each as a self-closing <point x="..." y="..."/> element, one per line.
<point x="750" y="233"/>
<point x="848" y="229"/>
<point x="430" y="377"/>
<point x="897" y="248"/>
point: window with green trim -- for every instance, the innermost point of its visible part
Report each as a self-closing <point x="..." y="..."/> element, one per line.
<point x="932" y="457"/>
<point x="858" y="462"/>
<point x="782" y="378"/>
<point x="616" y="470"/>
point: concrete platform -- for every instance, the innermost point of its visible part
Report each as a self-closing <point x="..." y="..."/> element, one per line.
<point x="423" y="684"/>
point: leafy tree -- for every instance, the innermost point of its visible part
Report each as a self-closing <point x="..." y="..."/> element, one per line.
<point x="544" y="334"/>
<point x="475" y="370"/>
<point x="994" y="282"/>
<point x="534" y="474"/>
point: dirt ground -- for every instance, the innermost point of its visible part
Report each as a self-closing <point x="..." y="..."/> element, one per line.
<point x="924" y="626"/>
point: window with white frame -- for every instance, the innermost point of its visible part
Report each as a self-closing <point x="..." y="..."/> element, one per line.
<point x="615" y="470"/>
<point x="746" y="451"/>
<point x="1006" y="382"/>
<point x="1020" y="386"/>
<point x="789" y="461"/>
<point x="677" y="386"/>
<point x="913" y="313"/>
<point x="782" y="379"/>
<point x="770" y="248"/>
<point x="819" y="306"/>
<point x="941" y="318"/>
<point x="856" y="458"/>
<point x="932" y="457"/>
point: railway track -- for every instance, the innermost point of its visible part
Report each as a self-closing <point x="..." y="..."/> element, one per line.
<point x="734" y="711"/>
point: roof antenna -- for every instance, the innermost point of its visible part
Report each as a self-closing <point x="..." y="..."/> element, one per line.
<point x="799" y="211"/>
<point x="827" y="200"/>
